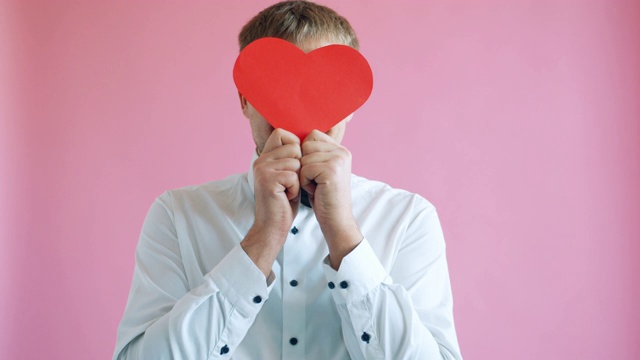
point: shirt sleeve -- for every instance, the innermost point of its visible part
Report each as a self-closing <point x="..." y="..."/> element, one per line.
<point x="166" y="319"/>
<point x="408" y="317"/>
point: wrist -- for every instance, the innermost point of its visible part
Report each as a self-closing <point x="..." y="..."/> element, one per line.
<point x="262" y="245"/>
<point x="341" y="241"/>
<point x="267" y="233"/>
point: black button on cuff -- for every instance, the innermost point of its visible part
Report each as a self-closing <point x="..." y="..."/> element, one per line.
<point x="293" y="283"/>
<point x="224" y="350"/>
<point x="331" y="285"/>
<point x="293" y="341"/>
<point x="344" y="284"/>
<point x="257" y="299"/>
<point x="365" y="337"/>
<point x="294" y="230"/>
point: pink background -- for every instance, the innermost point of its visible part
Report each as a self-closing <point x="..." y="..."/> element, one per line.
<point x="519" y="120"/>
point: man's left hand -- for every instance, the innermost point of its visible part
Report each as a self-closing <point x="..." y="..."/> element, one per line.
<point x="325" y="174"/>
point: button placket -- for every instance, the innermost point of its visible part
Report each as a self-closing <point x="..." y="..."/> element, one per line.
<point x="293" y="296"/>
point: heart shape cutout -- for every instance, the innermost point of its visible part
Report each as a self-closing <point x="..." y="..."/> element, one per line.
<point x="301" y="92"/>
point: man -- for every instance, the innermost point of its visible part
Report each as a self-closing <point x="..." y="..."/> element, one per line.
<point x="296" y="259"/>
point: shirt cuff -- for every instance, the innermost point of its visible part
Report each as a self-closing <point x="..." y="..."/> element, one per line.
<point x="360" y="272"/>
<point x="241" y="282"/>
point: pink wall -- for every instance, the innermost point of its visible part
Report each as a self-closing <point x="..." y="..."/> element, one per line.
<point x="524" y="130"/>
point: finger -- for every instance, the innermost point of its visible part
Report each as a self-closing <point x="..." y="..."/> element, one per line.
<point x="291" y="183"/>
<point x="309" y="175"/>
<point x="294" y="200"/>
<point x="309" y="186"/>
<point x="284" y="164"/>
<point x="278" y="138"/>
<point x="317" y="157"/>
<point x="287" y="182"/>
<point x="310" y="147"/>
<point x="317" y="135"/>
<point x="292" y="151"/>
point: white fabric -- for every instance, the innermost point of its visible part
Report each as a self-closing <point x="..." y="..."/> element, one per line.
<point x="193" y="289"/>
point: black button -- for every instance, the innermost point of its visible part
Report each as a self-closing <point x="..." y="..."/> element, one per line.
<point x="293" y="341"/>
<point x="257" y="299"/>
<point x="294" y="230"/>
<point x="293" y="283"/>
<point x="344" y="284"/>
<point x="365" y="337"/>
<point x="224" y="350"/>
<point x="331" y="285"/>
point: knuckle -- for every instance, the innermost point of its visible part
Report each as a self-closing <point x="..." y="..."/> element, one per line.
<point x="258" y="166"/>
<point x="292" y="177"/>
<point x="345" y="152"/>
<point x="287" y="179"/>
<point x="290" y="164"/>
<point x="260" y="178"/>
<point x="293" y="150"/>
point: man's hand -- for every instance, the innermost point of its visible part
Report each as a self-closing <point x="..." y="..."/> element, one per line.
<point x="326" y="175"/>
<point x="277" y="194"/>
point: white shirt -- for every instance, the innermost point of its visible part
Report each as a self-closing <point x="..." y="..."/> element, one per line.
<point x="196" y="294"/>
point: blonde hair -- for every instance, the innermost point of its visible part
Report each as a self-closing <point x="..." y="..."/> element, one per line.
<point x="296" y="22"/>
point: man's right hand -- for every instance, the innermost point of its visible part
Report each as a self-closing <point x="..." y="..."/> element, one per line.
<point x="277" y="196"/>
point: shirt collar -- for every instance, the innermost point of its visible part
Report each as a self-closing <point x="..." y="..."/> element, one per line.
<point x="250" y="172"/>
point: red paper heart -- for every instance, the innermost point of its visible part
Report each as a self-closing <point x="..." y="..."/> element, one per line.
<point x="300" y="92"/>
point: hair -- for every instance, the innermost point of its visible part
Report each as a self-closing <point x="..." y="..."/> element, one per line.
<point x="296" y="22"/>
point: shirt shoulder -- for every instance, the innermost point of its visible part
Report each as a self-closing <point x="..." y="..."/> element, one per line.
<point x="227" y="194"/>
<point x="372" y="193"/>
